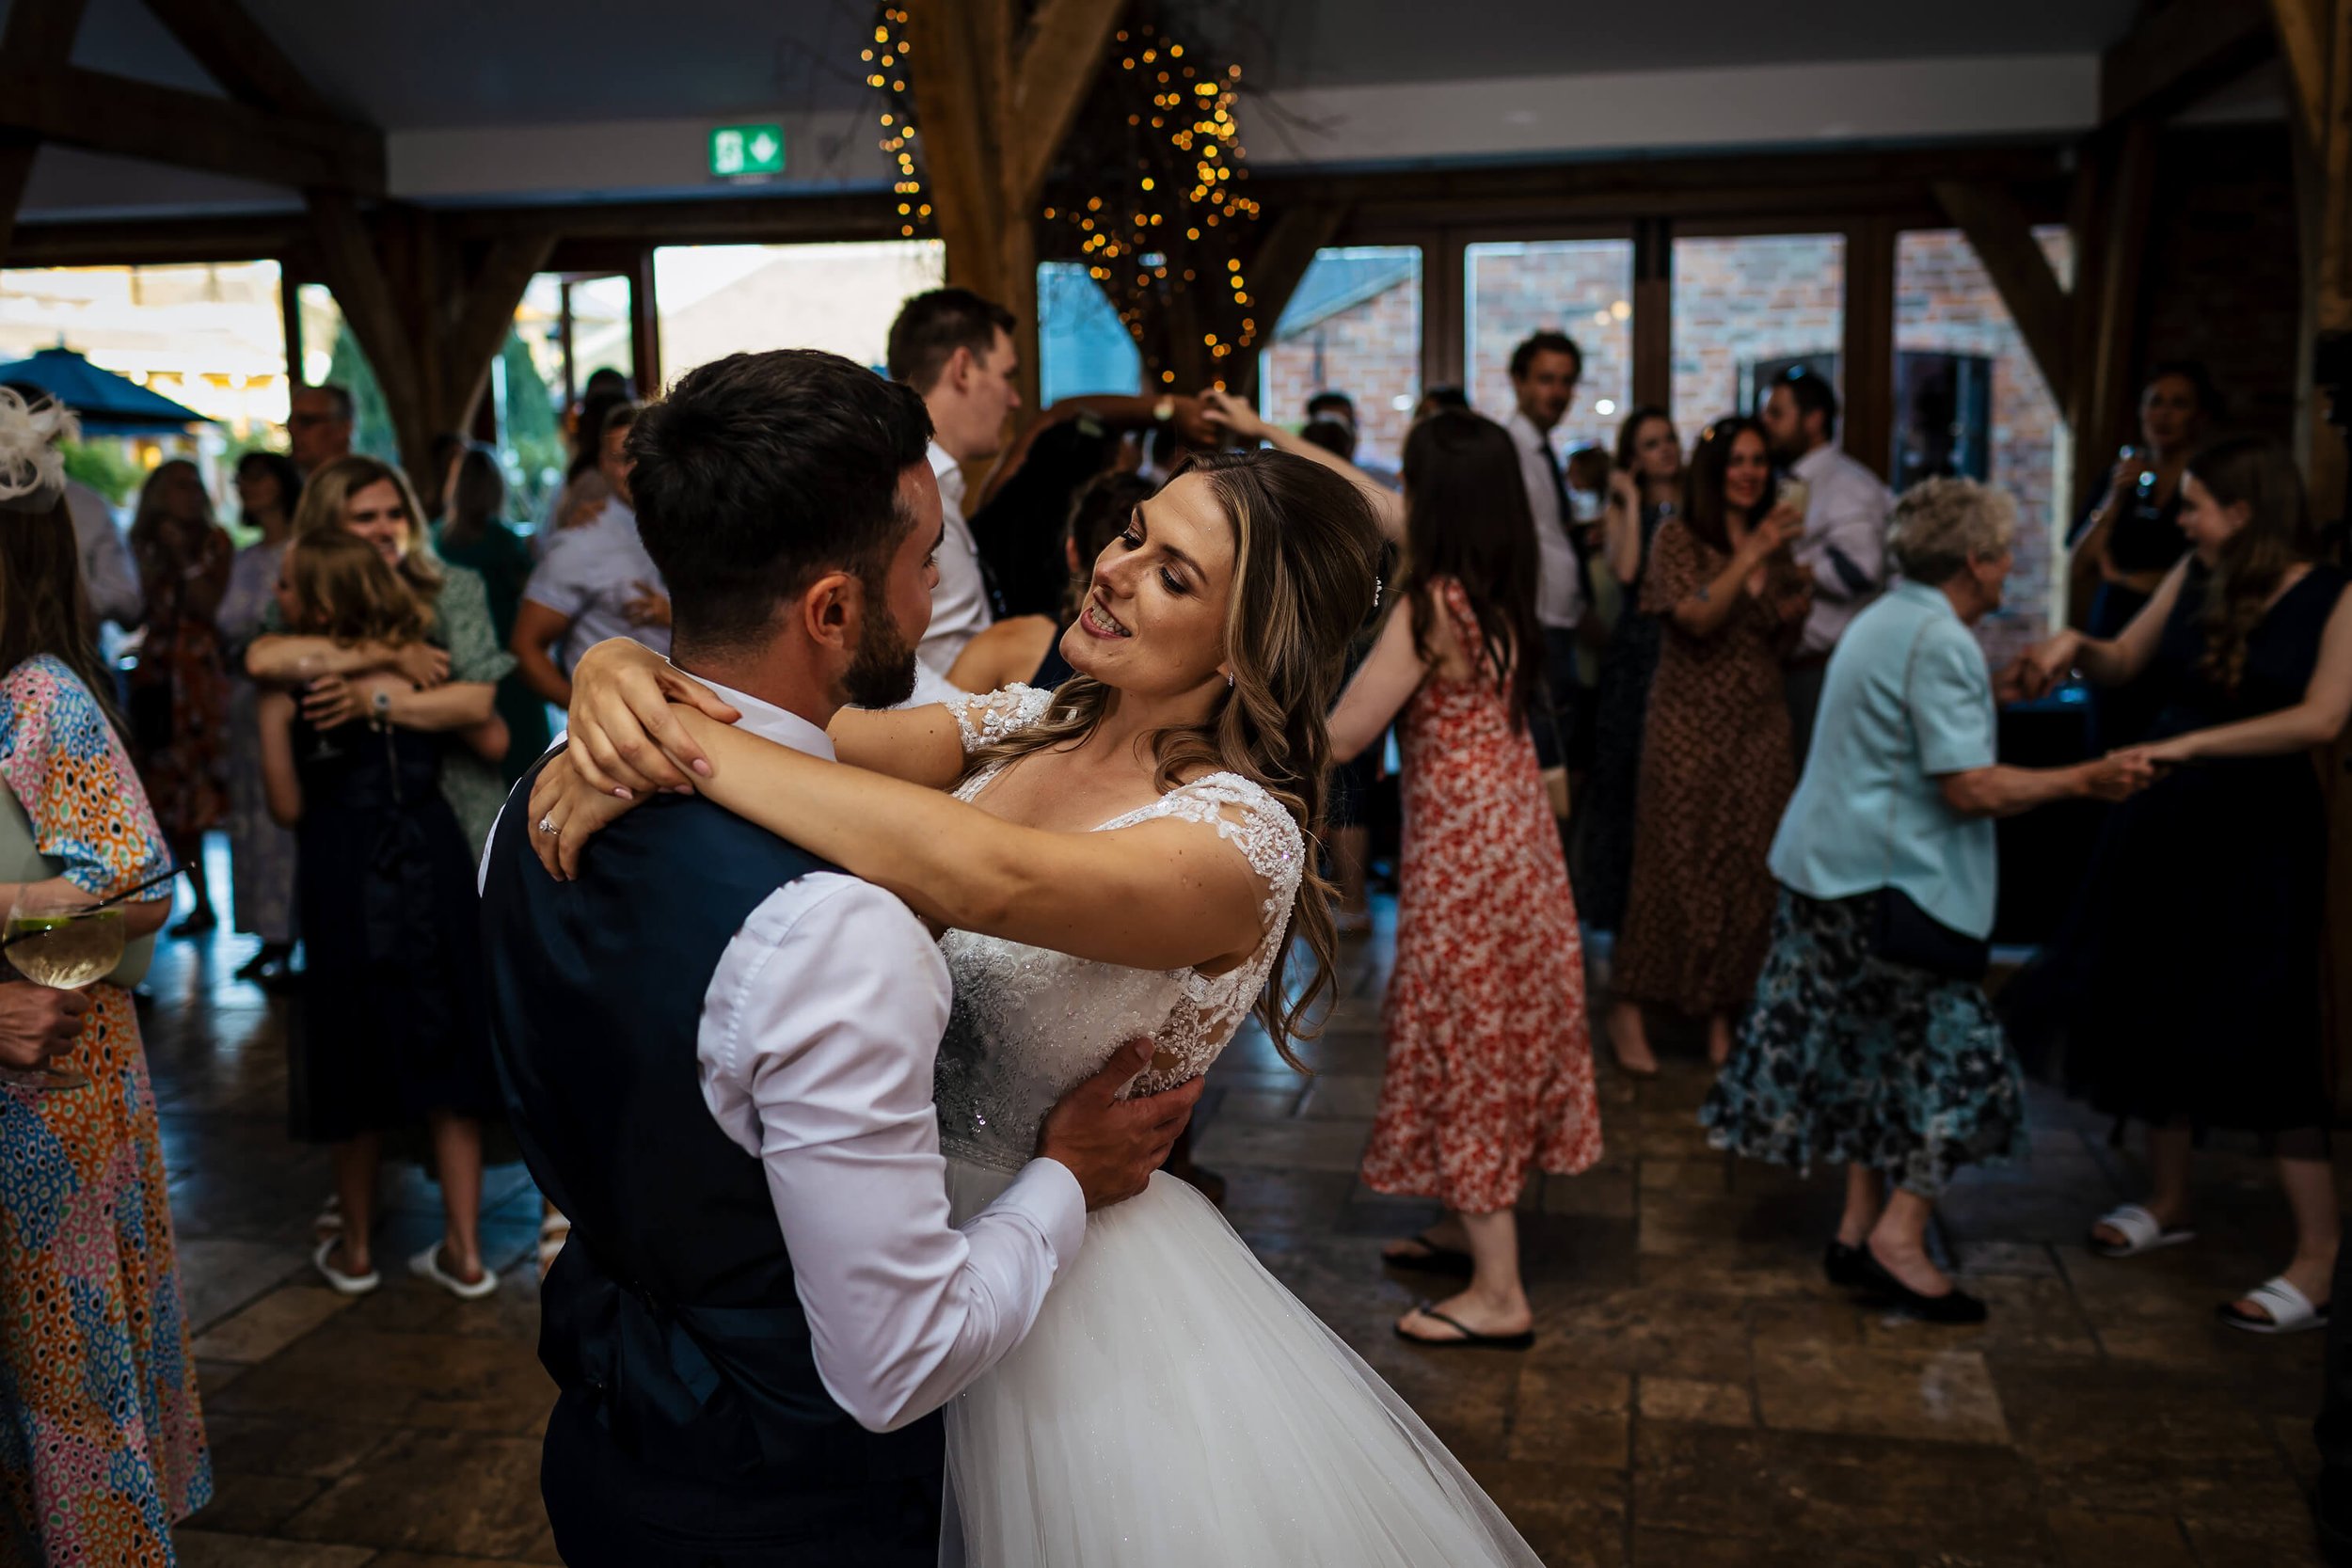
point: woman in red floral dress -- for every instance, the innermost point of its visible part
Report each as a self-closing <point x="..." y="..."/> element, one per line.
<point x="1490" y="1068"/>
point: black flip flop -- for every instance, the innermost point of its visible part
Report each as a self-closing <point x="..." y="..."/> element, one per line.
<point x="1471" y="1339"/>
<point x="1450" y="1262"/>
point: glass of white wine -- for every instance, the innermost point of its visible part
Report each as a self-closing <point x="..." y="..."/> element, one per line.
<point x="59" y="941"/>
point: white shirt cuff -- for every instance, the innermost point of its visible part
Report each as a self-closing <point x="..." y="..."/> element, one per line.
<point x="1050" y="1196"/>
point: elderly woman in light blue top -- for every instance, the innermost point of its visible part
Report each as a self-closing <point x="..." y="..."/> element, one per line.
<point x="1871" y="1043"/>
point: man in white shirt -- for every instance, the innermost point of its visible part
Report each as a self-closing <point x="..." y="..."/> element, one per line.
<point x="1544" y="372"/>
<point x="717" y="1051"/>
<point x="1844" y="545"/>
<point x="956" y="350"/>
<point x="107" y="573"/>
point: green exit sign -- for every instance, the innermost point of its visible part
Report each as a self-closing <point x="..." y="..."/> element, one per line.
<point x="740" y="149"/>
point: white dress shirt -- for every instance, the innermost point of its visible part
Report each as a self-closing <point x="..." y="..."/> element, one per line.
<point x="819" y="1030"/>
<point x="109" y="574"/>
<point x="959" y="604"/>
<point x="1844" y="546"/>
<point x="1559" y="588"/>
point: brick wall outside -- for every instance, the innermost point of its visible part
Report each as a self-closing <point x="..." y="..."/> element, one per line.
<point x="1372" y="352"/>
<point x="1582" y="287"/>
<point x="1945" y="302"/>
<point x="1737" y="301"/>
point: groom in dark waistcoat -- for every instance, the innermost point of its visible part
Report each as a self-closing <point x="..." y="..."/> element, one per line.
<point x="717" y="1050"/>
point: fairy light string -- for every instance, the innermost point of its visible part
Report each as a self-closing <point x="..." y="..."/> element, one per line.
<point x="1151" y="186"/>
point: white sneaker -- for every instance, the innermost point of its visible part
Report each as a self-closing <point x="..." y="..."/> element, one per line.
<point x="345" y="1284"/>
<point x="427" y="1265"/>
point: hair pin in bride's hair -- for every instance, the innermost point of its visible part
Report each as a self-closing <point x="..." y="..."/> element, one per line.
<point x="1376" y="593"/>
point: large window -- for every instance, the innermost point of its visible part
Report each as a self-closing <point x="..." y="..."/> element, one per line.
<point x="1969" y="400"/>
<point x="1353" y="327"/>
<point x="716" y="300"/>
<point x="1747" y="306"/>
<point x="209" y="337"/>
<point x="1083" y="347"/>
<point x="1582" y="287"/>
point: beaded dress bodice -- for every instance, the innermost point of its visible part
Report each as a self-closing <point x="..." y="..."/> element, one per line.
<point x="1028" y="1024"/>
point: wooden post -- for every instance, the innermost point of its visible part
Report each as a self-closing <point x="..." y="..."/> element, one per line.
<point x="644" y="320"/>
<point x="1868" y="432"/>
<point x="1653" y="314"/>
<point x="992" y="103"/>
<point x="2119" y="169"/>
<point x="1286" y="248"/>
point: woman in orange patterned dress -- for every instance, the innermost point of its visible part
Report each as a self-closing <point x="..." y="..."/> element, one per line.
<point x="1490" y="1066"/>
<point x="102" y="1443"/>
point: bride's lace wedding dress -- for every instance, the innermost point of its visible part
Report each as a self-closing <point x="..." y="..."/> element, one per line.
<point x="1173" y="1404"/>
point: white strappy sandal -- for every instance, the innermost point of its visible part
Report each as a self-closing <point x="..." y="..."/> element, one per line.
<point x="2141" y="1232"/>
<point x="2291" y="1312"/>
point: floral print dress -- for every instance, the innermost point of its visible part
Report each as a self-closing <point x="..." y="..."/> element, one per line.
<point x="102" y="1441"/>
<point x="1490" y="1065"/>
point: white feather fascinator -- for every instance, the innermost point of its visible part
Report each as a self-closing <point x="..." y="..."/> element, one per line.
<point x="32" y="470"/>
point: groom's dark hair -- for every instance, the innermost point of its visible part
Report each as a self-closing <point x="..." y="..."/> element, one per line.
<point x="760" y="472"/>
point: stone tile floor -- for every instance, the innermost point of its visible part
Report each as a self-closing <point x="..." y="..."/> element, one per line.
<point x="1697" y="1397"/>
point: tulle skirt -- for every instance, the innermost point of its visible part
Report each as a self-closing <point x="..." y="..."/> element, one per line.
<point x="1175" y="1405"/>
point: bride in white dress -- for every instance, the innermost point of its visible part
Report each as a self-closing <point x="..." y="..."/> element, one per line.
<point x="1135" y="866"/>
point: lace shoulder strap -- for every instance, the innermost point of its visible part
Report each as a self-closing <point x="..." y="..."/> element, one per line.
<point x="1000" y="715"/>
<point x="1246" y="816"/>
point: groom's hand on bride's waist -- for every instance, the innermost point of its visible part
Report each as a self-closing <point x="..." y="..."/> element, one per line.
<point x="1113" y="1145"/>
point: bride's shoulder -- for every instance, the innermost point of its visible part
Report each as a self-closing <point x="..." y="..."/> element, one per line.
<point x="1245" y="814"/>
<point x="1000" y="715"/>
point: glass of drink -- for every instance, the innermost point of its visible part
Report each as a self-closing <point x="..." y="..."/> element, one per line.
<point x="58" y="941"/>
<point x="314" y="744"/>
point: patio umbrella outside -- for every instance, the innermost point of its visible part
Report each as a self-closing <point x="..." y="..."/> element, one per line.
<point x="108" y="404"/>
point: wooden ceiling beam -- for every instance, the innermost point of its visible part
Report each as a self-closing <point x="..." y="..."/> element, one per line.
<point x="2179" y="52"/>
<point x="238" y="54"/>
<point x="38" y="38"/>
<point x="140" y="120"/>
<point x="1058" y="61"/>
<point x="486" y="315"/>
<point x="2002" y="236"/>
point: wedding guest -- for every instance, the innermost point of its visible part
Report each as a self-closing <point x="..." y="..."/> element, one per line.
<point x="586" y="484"/>
<point x="1871" y="1043"/>
<point x="1843" y="547"/>
<point x="109" y="576"/>
<point x="1644" y="489"/>
<point x="440" y="468"/>
<point x="1489" y="1069"/>
<point x="2187" y="975"/>
<point x="101" y="1423"/>
<point x="596" y="581"/>
<point x="318" y="426"/>
<point x="957" y="351"/>
<point x="474" y="533"/>
<point x="373" y="499"/>
<point x="1545" y="370"/>
<point x="392" y="1032"/>
<point x="179" y="690"/>
<point x="1716" y="768"/>
<point x="2131" y="535"/>
<point x="1437" y="400"/>
<point x="261" y="853"/>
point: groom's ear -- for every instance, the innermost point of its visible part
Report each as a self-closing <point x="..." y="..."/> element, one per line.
<point x="828" y="609"/>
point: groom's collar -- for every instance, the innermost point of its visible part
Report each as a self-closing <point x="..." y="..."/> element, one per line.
<point x="770" y="723"/>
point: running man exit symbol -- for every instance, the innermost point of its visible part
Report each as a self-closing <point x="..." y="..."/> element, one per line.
<point x="740" y="149"/>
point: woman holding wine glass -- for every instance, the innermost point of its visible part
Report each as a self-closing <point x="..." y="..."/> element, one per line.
<point x="103" y="1411"/>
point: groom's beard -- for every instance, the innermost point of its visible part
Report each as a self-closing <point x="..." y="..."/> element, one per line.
<point x="882" y="670"/>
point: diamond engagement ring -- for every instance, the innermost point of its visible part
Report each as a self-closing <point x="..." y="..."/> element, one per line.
<point x="546" y="826"/>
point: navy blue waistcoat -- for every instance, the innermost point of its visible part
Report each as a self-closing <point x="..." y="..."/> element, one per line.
<point x="672" y="1304"/>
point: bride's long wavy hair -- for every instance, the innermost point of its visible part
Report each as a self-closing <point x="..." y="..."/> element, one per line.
<point x="1306" y="575"/>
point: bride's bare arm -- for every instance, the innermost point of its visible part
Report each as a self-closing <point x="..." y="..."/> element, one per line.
<point x="625" y="733"/>
<point x="1162" y="895"/>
